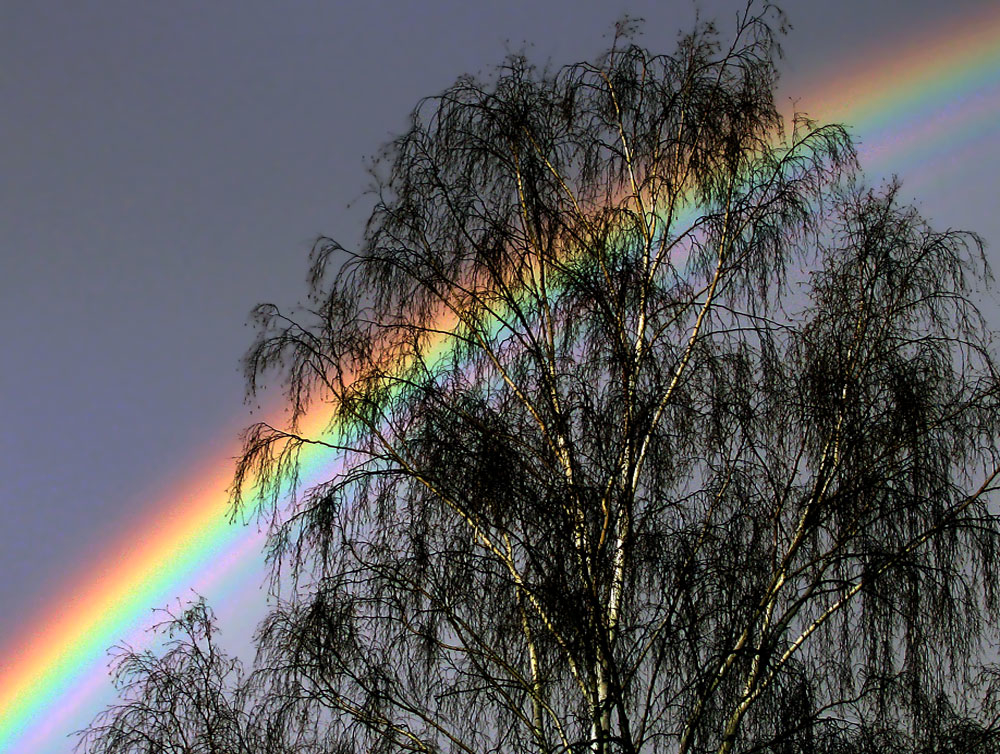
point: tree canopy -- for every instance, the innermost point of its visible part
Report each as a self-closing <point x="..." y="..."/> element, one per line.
<point x="658" y="430"/>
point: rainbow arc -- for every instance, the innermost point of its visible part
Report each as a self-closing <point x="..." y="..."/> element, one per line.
<point x="939" y="92"/>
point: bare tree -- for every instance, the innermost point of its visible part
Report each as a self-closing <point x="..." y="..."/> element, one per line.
<point x="189" y="700"/>
<point x="659" y="432"/>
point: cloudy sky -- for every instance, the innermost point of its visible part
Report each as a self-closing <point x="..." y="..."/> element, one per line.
<point x="165" y="166"/>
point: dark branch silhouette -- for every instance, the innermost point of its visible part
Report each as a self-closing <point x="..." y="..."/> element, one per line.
<point x="659" y="431"/>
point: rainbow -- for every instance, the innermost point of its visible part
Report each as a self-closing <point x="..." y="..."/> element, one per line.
<point x="937" y="96"/>
<point x="53" y="680"/>
<point x="907" y="107"/>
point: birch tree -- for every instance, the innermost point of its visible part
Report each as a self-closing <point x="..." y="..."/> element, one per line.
<point x="654" y="428"/>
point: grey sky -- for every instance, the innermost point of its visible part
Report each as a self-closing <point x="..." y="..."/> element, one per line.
<point x="165" y="166"/>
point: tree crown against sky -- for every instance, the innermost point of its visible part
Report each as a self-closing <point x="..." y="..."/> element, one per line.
<point x="657" y="431"/>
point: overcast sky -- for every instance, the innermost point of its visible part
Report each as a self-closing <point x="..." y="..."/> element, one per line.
<point x="165" y="165"/>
